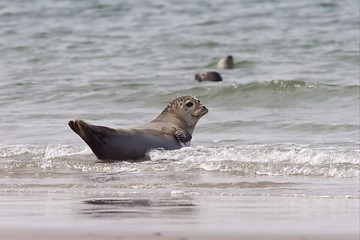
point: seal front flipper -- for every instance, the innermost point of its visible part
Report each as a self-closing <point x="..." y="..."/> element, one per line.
<point x="94" y="136"/>
<point x="183" y="135"/>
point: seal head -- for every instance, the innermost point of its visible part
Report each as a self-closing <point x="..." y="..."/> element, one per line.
<point x="180" y="117"/>
<point x="226" y="63"/>
<point x="171" y="129"/>
<point x="208" y="76"/>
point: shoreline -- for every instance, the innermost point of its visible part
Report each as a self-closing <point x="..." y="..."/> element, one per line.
<point x="58" y="234"/>
<point x="71" y="216"/>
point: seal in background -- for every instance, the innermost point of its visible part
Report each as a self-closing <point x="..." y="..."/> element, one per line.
<point x="226" y="63"/>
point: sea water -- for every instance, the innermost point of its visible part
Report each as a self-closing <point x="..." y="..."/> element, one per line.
<point x="283" y="123"/>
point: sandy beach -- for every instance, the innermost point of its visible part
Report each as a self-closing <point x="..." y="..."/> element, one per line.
<point x="57" y="235"/>
<point x="180" y="216"/>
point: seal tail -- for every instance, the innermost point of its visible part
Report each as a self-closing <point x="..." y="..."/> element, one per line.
<point x="94" y="136"/>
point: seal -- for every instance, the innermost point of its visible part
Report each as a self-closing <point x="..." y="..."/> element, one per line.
<point x="171" y="129"/>
<point x="208" y="76"/>
<point x="226" y="63"/>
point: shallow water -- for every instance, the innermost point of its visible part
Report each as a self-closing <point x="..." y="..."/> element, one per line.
<point x="284" y="123"/>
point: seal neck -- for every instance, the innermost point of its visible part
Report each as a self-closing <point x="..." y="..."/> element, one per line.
<point x="168" y="115"/>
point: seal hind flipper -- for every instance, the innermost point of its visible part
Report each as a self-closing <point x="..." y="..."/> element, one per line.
<point x="94" y="136"/>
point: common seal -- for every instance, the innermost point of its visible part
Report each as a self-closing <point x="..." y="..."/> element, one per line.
<point x="226" y="63"/>
<point x="171" y="129"/>
<point x="208" y="76"/>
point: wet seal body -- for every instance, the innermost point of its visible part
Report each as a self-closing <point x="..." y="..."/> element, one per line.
<point x="171" y="129"/>
<point x="211" y="76"/>
<point x="226" y="63"/>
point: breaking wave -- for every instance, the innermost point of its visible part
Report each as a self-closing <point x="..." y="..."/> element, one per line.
<point x="247" y="160"/>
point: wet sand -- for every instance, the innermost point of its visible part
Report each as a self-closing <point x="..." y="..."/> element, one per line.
<point x="75" y="235"/>
<point x="175" y="216"/>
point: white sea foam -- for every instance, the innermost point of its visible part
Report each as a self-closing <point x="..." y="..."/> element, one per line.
<point x="243" y="160"/>
<point x="266" y="160"/>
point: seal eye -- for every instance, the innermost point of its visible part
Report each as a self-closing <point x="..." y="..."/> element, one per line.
<point x="189" y="104"/>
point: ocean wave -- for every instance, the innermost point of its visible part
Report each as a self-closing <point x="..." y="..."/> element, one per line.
<point x="248" y="160"/>
<point x="286" y="86"/>
<point x="266" y="160"/>
<point x="273" y="93"/>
